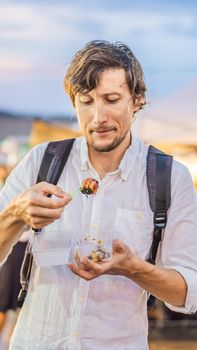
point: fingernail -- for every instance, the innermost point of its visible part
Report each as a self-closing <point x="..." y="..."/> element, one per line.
<point x="60" y="190"/>
<point x="69" y="196"/>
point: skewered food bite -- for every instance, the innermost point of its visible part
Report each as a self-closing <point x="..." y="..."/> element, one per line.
<point x="89" y="186"/>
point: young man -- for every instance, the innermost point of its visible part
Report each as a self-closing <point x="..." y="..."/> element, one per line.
<point x="82" y="304"/>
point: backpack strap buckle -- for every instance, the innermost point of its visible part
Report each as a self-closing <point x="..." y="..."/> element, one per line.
<point x="160" y="219"/>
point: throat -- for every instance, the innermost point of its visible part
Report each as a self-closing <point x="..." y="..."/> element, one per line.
<point x="103" y="172"/>
<point x="103" y="164"/>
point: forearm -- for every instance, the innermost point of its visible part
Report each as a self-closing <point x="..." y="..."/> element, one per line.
<point x="11" y="228"/>
<point x="167" y="285"/>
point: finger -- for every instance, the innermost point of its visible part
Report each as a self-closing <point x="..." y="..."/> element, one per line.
<point x="119" y="247"/>
<point x="81" y="273"/>
<point x="49" y="188"/>
<point x="91" y="265"/>
<point x="36" y="199"/>
<point x="82" y="262"/>
<point x="40" y="223"/>
<point x="77" y="257"/>
<point x="78" y="260"/>
<point x="39" y="212"/>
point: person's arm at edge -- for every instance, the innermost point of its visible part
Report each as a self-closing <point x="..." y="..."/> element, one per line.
<point x="11" y="230"/>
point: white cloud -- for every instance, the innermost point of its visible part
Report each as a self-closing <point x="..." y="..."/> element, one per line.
<point x="33" y="22"/>
<point x="39" y="31"/>
<point x="37" y="40"/>
<point x="41" y="21"/>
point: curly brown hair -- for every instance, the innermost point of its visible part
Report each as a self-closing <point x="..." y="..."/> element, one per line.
<point x="98" y="55"/>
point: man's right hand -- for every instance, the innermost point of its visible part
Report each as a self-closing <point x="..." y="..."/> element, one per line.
<point x="34" y="208"/>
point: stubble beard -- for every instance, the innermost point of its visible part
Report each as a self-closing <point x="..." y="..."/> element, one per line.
<point x="114" y="144"/>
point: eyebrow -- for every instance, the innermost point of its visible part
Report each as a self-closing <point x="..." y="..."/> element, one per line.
<point x="103" y="95"/>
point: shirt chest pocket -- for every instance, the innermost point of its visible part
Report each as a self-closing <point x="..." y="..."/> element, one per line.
<point x="134" y="228"/>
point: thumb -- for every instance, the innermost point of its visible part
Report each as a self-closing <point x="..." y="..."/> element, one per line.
<point x="119" y="246"/>
<point x="90" y="265"/>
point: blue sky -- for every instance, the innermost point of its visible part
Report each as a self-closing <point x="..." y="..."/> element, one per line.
<point x="38" y="39"/>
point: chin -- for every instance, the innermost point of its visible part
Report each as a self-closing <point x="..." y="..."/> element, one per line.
<point x="105" y="147"/>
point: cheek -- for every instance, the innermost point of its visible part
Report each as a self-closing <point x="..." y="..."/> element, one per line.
<point x="121" y="110"/>
<point x="122" y="117"/>
<point x="83" y="121"/>
<point x="81" y="115"/>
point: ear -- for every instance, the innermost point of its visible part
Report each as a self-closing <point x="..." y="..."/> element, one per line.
<point x="139" y="102"/>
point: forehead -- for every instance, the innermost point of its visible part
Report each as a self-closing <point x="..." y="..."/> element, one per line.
<point x="112" y="79"/>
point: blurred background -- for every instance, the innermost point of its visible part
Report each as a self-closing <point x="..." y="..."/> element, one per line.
<point x="37" y="42"/>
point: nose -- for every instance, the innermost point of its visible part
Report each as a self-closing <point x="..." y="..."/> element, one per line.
<point x="99" y="112"/>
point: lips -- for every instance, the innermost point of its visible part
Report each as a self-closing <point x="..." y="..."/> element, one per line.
<point x="102" y="131"/>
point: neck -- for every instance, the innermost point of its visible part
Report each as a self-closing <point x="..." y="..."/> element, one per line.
<point x="106" y="162"/>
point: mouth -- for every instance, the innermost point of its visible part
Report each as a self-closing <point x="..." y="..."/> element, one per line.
<point x="102" y="131"/>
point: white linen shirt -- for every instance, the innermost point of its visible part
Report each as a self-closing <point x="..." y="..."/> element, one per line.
<point x="63" y="311"/>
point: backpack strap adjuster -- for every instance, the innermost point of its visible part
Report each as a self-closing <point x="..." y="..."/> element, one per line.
<point x="160" y="219"/>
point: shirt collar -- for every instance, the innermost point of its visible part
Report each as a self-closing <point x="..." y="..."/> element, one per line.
<point x="126" y="164"/>
<point x="85" y="162"/>
<point x="128" y="161"/>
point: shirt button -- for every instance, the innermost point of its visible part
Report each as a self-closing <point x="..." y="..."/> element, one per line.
<point x="82" y="300"/>
<point x="138" y="216"/>
<point x="76" y="334"/>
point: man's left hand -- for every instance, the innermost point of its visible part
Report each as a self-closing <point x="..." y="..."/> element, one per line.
<point x="123" y="263"/>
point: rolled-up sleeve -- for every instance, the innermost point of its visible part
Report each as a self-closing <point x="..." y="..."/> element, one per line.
<point x="189" y="276"/>
<point x="179" y="244"/>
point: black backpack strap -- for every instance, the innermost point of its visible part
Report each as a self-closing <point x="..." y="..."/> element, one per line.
<point x="159" y="167"/>
<point x="53" y="162"/>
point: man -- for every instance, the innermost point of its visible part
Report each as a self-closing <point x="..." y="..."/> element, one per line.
<point x="82" y="304"/>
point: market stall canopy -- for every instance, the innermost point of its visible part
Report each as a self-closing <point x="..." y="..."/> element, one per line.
<point x="13" y="149"/>
<point x="171" y="125"/>
<point x="171" y="120"/>
<point x="50" y="131"/>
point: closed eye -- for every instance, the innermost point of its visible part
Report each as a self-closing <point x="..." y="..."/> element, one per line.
<point x="112" y="101"/>
<point x="86" y="102"/>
